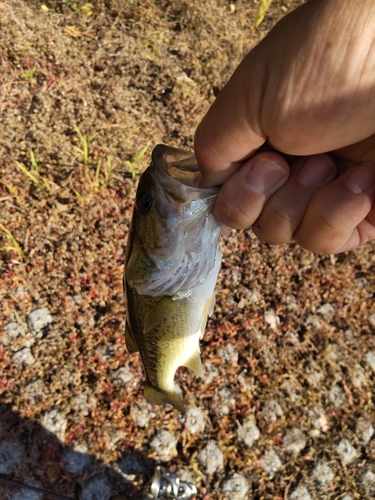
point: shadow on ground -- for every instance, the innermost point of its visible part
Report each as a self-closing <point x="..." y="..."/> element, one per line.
<point x="32" y="456"/>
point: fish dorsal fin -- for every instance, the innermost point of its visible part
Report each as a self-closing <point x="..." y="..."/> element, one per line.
<point x="158" y="314"/>
<point x="194" y="363"/>
<point x="129" y="339"/>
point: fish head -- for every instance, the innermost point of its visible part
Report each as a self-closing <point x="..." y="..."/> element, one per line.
<point x="170" y="210"/>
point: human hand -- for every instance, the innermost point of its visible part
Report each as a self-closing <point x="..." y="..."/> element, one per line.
<point x="308" y="89"/>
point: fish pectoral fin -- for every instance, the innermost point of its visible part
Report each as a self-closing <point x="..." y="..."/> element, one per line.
<point x="158" y="314"/>
<point x="129" y="339"/>
<point x="194" y="363"/>
<point x="159" y="397"/>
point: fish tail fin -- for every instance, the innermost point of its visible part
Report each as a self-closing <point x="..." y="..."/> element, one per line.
<point x="160" y="397"/>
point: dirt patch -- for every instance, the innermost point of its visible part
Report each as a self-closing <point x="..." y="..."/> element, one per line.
<point x="286" y="406"/>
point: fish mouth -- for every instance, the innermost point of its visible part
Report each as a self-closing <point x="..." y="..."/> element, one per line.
<point x="181" y="166"/>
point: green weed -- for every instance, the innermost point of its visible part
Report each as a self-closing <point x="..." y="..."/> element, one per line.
<point x="29" y="75"/>
<point x="134" y="165"/>
<point x="84" y="150"/>
<point x="15" y="247"/>
<point x="264" y="5"/>
<point x="35" y="177"/>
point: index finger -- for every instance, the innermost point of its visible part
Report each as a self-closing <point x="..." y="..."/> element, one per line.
<point x="230" y="132"/>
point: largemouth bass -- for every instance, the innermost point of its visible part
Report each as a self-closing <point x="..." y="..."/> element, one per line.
<point x="172" y="263"/>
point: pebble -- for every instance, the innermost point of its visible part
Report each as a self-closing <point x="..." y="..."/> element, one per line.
<point x="35" y="390"/>
<point x="12" y="331"/>
<point x="294" y="441"/>
<point x="11" y="457"/>
<point x="313" y="321"/>
<point x="300" y="493"/>
<point x="291" y="390"/>
<point x="38" y="321"/>
<point x="326" y="309"/>
<point x="271" y="462"/>
<point x="225" y="399"/>
<point x="322" y="474"/>
<point x="229" y="354"/>
<point x="54" y="422"/>
<point x="123" y="375"/>
<point x="96" y="489"/>
<point x="346" y="451"/>
<point x="318" y="418"/>
<point x="164" y="443"/>
<point x="314" y="374"/>
<point x="195" y="420"/>
<point x="272" y="410"/>
<point x="76" y="459"/>
<point x="211" y="458"/>
<point x="371" y="319"/>
<point x="364" y="430"/>
<point x="249" y="432"/>
<point x="23" y="357"/>
<point x="142" y="413"/>
<point x="133" y="465"/>
<point x="25" y="494"/>
<point x="336" y="396"/>
<point x="210" y="372"/>
<point x="368" y="482"/>
<point x="272" y="319"/>
<point x="235" y="487"/>
<point x="370" y="359"/>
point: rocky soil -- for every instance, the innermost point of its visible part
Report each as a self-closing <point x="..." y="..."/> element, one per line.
<point x="285" y="409"/>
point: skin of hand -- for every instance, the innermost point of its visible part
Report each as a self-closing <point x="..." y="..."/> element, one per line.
<point x="308" y="90"/>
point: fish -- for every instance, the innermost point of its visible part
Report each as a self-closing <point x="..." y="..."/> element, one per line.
<point x="172" y="263"/>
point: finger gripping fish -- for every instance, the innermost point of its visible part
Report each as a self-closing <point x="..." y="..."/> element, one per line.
<point x="171" y="267"/>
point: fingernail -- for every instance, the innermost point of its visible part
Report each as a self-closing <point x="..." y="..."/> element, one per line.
<point x="315" y="171"/>
<point x="361" y="178"/>
<point x="264" y="175"/>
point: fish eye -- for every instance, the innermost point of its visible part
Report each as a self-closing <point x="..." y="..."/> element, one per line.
<point x="144" y="203"/>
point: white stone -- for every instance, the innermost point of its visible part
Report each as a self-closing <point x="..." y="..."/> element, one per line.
<point x="38" y="320"/>
<point x="235" y="488"/>
<point x="249" y="432"/>
<point x="23" y="357"/>
<point x="164" y="443"/>
<point x="211" y="458"/>
<point x="271" y="462"/>
<point x="326" y="309"/>
<point x="55" y="423"/>
<point x="123" y="375"/>
<point x="370" y="359"/>
<point x="347" y="451"/>
<point x="322" y="474"/>
<point x="11" y="456"/>
<point x="364" y="430"/>
<point x="11" y="332"/>
<point x="336" y="396"/>
<point x="300" y="493"/>
<point x="195" y="420"/>
<point x="272" y="319"/>
<point x="272" y="410"/>
<point x="96" y="489"/>
<point x="294" y="440"/>
<point x="76" y="459"/>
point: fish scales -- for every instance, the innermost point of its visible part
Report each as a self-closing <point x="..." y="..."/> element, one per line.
<point x="172" y="262"/>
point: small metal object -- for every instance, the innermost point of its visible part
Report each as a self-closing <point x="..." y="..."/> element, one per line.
<point x="167" y="485"/>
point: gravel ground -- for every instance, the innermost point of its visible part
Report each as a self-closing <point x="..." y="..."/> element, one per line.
<point x="285" y="409"/>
